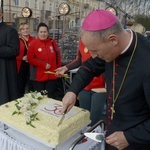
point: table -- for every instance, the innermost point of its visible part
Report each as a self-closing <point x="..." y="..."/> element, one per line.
<point x="11" y="139"/>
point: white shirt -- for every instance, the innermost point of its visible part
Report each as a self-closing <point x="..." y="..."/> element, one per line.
<point x="129" y="42"/>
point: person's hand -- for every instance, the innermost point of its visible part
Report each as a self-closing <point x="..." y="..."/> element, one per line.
<point x="118" y="140"/>
<point x="47" y="66"/>
<point x="69" y="101"/>
<point x="61" y="70"/>
<point x="25" y="58"/>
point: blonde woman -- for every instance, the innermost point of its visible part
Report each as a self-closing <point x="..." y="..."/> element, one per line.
<point x="22" y="62"/>
<point x="137" y="27"/>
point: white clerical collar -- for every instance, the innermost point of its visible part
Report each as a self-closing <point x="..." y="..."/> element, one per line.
<point x="129" y="42"/>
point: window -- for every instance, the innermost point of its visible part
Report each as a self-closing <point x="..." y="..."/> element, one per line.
<point x="56" y="8"/>
<point x="16" y="2"/>
<point x="35" y="22"/>
<point x="50" y="7"/>
<point x="43" y="6"/>
<point x="27" y="3"/>
<point x="35" y="4"/>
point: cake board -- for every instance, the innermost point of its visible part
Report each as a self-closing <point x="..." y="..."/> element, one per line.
<point x="11" y="139"/>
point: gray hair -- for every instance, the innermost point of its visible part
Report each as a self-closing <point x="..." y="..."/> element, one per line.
<point x="103" y="34"/>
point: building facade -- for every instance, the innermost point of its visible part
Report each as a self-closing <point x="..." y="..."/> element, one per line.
<point x="47" y="11"/>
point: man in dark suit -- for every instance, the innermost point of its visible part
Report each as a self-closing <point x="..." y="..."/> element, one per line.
<point x="9" y="48"/>
<point x="124" y="56"/>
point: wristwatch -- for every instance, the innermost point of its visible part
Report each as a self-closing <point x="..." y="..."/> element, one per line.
<point x="26" y="12"/>
<point x="64" y="8"/>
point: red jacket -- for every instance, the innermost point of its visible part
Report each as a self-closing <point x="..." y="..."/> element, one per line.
<point x="22" y="52"/>
<point x="97" y="82"/>
<point x="82" y="55"/>
<point x="40" y="53"/>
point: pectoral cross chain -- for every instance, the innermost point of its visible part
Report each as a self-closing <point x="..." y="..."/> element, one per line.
<point x="112" y="111"/>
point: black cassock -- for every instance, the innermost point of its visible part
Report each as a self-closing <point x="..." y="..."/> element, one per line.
<point x="9" y="48"/>
<point x="132" y="108"/>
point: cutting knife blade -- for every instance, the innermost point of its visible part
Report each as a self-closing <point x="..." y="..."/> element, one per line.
<point x="99" y="137"/>
<point x="61" y="119"/>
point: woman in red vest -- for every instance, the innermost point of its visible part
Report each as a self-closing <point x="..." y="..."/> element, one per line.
<point x="88" y="99"/>
<point x="22" y="62"/>
<point x="43" y="56"/>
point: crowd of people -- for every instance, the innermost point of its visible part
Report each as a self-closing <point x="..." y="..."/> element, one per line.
<point x="25" y="61"/>
<point x="108" y="56"/>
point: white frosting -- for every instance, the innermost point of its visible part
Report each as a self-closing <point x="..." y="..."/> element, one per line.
<point x="46" y="129"/>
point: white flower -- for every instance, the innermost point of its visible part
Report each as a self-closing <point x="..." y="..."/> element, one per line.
<point x="28" y="99"/>
<point x="20" y="104"/>
<point x="28" y="113"/>
<point x="28" y="119"/>
<point x="28" y="95"/>
<point x="39" y="94"/>
<point x="35" y="101"/>
<point x="23" y="109"/>
<point x="26" y="107"/>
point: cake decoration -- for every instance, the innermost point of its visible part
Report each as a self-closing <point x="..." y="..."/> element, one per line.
<point x="27" y="107"/>
<point x="53" y="109"/>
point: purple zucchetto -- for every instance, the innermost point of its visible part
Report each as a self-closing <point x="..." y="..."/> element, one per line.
<point x="99" y="19"/>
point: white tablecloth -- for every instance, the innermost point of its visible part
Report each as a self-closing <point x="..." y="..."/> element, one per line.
<point x="11" y="139"/>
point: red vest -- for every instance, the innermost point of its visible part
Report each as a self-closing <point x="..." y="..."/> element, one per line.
<point x="19" y="58"/>
<point x="97" y="82"/>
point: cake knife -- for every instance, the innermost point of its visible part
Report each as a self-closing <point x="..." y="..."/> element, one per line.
<point x="99" y="137"/>
<point x="61" y="119"/>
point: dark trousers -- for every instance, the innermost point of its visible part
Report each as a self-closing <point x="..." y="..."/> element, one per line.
<point x="94" y="102"/>
<point x="50" y="86"/>
<point x="23" y="78"/>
